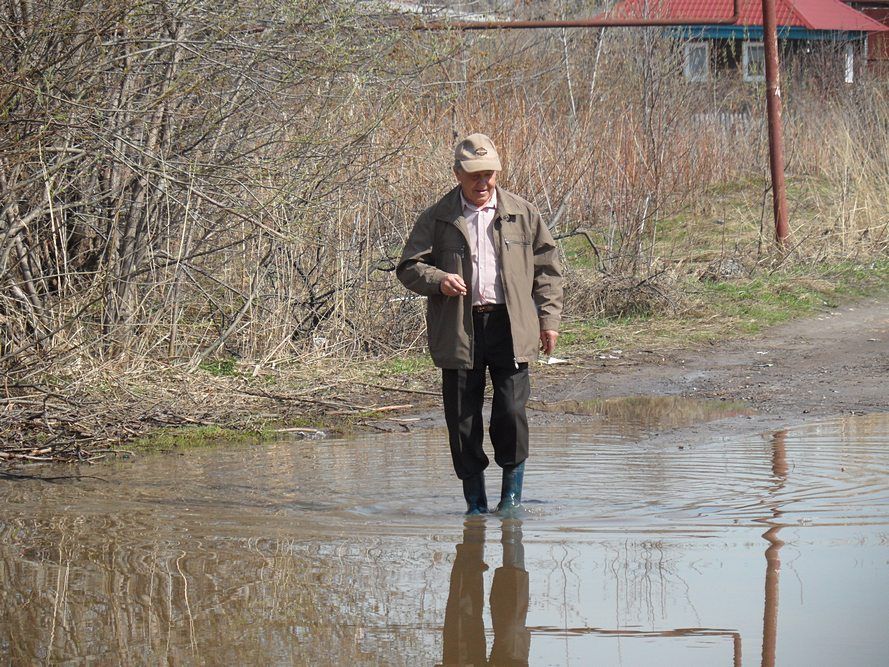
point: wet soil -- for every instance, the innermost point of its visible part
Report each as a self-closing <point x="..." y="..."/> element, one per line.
<point x="831" y="364"/>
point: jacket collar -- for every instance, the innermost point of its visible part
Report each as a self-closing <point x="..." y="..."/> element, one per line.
<point x="450" y="207"/>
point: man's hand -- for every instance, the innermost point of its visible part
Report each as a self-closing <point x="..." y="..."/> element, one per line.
<point x="452" y="285"/>
<point x="548" y="341"/>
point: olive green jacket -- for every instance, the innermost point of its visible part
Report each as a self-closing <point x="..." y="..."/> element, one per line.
<point x="531" y="275"/>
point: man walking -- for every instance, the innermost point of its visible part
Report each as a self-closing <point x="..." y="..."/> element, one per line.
<point x="490" y="271"/>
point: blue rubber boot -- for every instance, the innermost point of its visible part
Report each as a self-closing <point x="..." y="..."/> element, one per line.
<point x="474" y="492"/>
<point x="511" y="491"/>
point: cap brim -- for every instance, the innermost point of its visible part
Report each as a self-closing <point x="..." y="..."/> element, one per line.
<point x="472" y="166"/>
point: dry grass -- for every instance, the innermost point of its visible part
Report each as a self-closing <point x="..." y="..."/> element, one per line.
<point x="592" y="294"/>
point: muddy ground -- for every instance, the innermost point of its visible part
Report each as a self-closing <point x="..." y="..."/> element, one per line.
<point x="833" y="363"/>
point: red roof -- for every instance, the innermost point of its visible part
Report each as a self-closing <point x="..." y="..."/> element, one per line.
<point x="811" y="14"/>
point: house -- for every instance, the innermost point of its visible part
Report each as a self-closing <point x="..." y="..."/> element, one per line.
<point x="877" y="42"/>
<point x="829" y="33"/>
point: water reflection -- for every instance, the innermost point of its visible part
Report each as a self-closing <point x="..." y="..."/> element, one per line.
<point x="648" y="412"/>
<point x="464" y="638"/>
<point x="773" y="559"/>
<point x="633" y="552"/>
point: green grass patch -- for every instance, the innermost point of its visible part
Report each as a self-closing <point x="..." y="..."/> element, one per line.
<point x="198" y="437"/>
<point x="599" y="334"/>
<point x="857" y="279"/>
<point x="730" y="308"/>
<point x="579" y="253"/>
<point x="219" y="367"/>
<point x="760" y="302"/>
<point x="751" y="305"/>
<point x="405" y="366"/>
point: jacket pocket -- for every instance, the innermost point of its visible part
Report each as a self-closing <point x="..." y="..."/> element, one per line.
<point x="516" y="239"/>
<point x="517" y="248"/>
<point x="517" y="265"/>
<point x="520" y="244"/>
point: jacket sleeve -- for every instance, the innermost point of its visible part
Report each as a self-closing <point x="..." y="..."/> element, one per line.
<point x="416" y="269"/>
<point x="547" y="289"/>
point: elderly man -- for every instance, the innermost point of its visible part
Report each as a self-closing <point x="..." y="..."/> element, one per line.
<point x="490" y="271"/>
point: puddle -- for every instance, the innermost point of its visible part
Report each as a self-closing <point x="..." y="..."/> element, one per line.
<point x="757" y="551"/>
<point x="648" y="412"/>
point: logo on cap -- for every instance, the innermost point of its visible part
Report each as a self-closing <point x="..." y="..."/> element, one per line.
<point x="481" y="151"/>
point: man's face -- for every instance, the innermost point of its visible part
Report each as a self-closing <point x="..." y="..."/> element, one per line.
<point x="478" y="186"/>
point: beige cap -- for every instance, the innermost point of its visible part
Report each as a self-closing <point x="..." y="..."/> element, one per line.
<point x="477" y="153"/>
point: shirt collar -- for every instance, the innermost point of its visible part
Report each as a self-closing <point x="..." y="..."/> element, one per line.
<point x="488" y="205"/>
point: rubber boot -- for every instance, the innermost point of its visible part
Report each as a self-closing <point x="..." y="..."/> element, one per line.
<point x="511" y="540"/>
<point x="511" y="491"/>
<point x="474" y="492"/>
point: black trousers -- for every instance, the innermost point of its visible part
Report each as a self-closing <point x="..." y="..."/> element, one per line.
<point x="463" y="396"/>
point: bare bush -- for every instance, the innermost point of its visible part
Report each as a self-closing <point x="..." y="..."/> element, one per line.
<point x="180" y="179"/>
<point x="594" y="294"/>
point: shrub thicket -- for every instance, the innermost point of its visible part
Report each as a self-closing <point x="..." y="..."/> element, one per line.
<point x="182" y="181"/>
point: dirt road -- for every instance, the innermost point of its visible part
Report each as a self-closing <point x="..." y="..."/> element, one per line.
<point x="834" y="363"/>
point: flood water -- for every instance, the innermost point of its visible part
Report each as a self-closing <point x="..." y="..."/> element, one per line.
<point x="765" y="550"/>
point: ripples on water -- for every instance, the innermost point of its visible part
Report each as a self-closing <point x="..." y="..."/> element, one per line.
<point x="756" y="550"/>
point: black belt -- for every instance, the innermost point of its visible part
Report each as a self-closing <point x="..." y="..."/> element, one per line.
<point x="488" y="307"/>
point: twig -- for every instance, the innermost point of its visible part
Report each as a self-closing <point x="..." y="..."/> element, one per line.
<point x="401" y="389"/>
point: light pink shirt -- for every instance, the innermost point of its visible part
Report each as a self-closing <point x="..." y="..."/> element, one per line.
<point x="487" y="286"/>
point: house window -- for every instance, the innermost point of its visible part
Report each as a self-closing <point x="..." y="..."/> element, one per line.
<point x="849" y="69"/>
<point x="697" y="61"/>
<point x="754" y="57"/>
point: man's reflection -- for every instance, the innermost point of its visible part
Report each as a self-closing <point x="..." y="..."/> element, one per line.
<point x="464" y="630"/>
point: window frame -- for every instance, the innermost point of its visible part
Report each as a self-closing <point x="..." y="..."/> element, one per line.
<point x="696" y="45"/>
<point x="746" y="47"/>
<point x="849" y="63"/>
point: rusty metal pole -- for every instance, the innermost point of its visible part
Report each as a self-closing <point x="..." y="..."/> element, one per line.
<point x="773" y="110"/>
